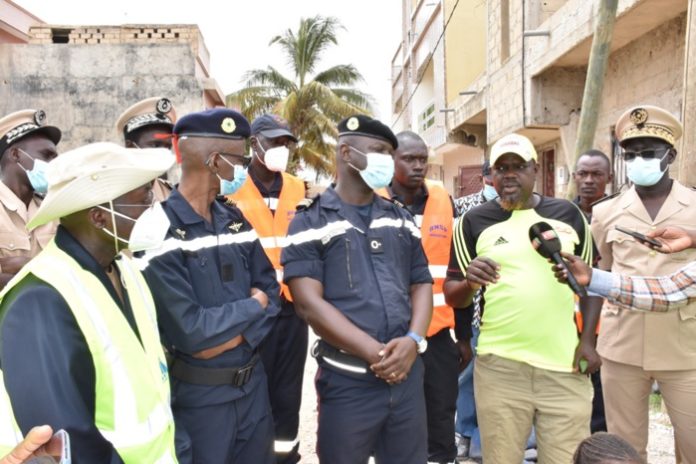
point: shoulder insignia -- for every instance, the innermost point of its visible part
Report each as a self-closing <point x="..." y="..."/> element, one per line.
<point x="396" y="202"/>
<point x="181" y="233"/>
<point x="235" y="226"/>
<point x="305" y="203"/>
<point x="608" y="197"/>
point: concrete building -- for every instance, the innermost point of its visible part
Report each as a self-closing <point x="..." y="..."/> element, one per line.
<point x="85" y="76"/>
<point x="536" y="54"/>
<point x="15" y="22"/>
<point x="431" y="65"/>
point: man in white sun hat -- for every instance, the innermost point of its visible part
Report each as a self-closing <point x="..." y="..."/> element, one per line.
<point x="79" y="345"/>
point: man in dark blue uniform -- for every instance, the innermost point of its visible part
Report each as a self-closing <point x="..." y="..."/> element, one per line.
<point x="359" y="276"/>
<point x="216" y="295"/>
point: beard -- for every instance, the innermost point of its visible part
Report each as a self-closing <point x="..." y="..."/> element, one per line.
<point x="512" y="202"/>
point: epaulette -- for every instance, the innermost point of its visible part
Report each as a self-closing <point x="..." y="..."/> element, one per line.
<point x="396" y="202"/>
<point x="608" y="197"/>
<point x="225" y="200"/>
<point x="305" y="203"/>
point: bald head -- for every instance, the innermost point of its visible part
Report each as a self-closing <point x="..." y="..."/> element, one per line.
<point x="410" y="161"/>
<point x="411" y="140"/>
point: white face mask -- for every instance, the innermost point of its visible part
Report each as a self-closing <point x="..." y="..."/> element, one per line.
<point x="149" y="230"/>
<point x="275" y="159"/>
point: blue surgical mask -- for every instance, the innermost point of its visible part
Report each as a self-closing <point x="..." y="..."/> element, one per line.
<point x="37" y="174"/>
<point x="645" y="172"/>
<point x="489" y="192"/>
<point x="379" y="170"/>
<point x="228" y="187"/>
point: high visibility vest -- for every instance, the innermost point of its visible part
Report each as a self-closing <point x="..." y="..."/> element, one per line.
<point x="132" y="399"/>
<point x="272" y="229"/>
<point x="436" y="236"/>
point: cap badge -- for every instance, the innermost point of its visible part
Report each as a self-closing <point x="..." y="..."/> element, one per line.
<point x="164" y="106"/>
<point x="228" y="126"/>
<point x="353" y="124"/>
<point x="639" y="116"/>
<point x="40" y="117"/>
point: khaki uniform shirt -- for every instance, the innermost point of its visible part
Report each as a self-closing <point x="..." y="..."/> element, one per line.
<point x="653" y="341"/>
<point x="15" y="240"/>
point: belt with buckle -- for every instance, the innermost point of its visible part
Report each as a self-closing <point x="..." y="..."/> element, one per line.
<point x="213" y="376"/>
<point x="339" y="359"/>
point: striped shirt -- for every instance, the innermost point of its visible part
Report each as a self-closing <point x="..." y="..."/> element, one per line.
<point x="647" y="293"/>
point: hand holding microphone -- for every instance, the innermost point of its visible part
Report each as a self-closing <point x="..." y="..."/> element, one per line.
<point x="546" y="242"/>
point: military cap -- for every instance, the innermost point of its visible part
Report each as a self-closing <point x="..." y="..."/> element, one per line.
<point x="516" y="144"/>
<point x="19" y="124"/>
<point x="148" y="112"/>
<point x="367" y="127"/>
<point x="221" y="123"/>
<point x="648" y="121"/>
<point x="271" y="126"/>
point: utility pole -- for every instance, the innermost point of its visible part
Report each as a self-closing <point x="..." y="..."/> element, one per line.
<point x="687" y="163"/>
<point x="594" y="82"/>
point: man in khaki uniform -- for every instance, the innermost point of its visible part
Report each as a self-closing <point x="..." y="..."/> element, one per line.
<point x="26" y="145"/>
<point x="638" y="348"/>
<point x="149" y="124"/>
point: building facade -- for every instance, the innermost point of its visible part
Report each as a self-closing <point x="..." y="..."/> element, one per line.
<point x="85" y="76"/>
<point x="536" y="56"/>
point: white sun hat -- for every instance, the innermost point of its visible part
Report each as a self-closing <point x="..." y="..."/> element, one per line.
<point x="94" y="174"/>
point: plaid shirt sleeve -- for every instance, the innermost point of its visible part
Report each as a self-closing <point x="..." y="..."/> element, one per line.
<point x="654" y="293"/>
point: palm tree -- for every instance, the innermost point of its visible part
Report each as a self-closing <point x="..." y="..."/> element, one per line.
<point x="312" y="102"/>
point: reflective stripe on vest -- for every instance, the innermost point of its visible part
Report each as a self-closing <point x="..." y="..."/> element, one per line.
<point x="436" y="225"/>
<point x="271" y="228"/>
<point x="131" y="381"/>
<point x="10" y="435"/>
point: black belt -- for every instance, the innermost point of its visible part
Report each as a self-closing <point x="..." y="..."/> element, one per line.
<point x="339" y="359"/>
<point x="213" y="376"/>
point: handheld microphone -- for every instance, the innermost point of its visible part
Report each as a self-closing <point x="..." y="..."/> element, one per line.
<point x="550" y="248"/>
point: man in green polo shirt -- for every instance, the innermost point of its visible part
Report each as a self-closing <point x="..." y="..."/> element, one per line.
<point x="529" y="357"/>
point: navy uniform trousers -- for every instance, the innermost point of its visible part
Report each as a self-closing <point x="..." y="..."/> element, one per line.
<point x="284" y="352"/>
<point x="360" y="415"/>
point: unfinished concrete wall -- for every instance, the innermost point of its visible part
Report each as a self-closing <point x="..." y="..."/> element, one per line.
<point x="84" y="88"/>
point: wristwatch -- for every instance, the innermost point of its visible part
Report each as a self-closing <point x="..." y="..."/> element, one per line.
<point x="421" y="342"/>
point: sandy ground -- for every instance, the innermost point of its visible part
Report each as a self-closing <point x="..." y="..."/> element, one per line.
<point x="660" y="448"/>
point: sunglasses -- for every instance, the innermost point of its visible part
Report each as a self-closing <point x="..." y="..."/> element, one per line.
<point x="646" y="154"/>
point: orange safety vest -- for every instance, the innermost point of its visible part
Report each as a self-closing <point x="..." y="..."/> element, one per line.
<point x="271" y="228"/>
<point x="436" y="237"/>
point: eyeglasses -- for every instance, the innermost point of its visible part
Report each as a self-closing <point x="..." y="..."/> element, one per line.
<point x="646" y="154"/>
<point x="235" y="159"/>
<point x="505" y="168"/>
<point x="136" y="205"/>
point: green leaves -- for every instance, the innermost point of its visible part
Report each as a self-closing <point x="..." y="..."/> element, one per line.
<point x="312" y="103"/>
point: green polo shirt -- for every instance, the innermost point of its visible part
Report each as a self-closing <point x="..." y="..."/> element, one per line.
<point x="528" y="315"/>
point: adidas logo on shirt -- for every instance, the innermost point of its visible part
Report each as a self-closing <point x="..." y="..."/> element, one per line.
<point x="500" y="241"/>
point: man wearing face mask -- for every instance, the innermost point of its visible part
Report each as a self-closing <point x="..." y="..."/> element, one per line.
<point x="27" y="144"/>
<point x="149" y="124"/>
<point x="79" y="345"/>
<point x="268" y="199"/>
<point x="358" y="274"/>
<point x="639" y="348"/>
<point x="216" y="295"/>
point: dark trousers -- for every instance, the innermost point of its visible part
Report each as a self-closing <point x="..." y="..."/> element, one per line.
<point x="598" y="422"/>
<point x="237" y="432"/>
<point x="363" y="416"/>
<point x="284" y="353"/>
<point x="441" y="361"/>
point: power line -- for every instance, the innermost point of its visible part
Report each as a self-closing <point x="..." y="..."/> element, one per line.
<point x="430" y="58"/>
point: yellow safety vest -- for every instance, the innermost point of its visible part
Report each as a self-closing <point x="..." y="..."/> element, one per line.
<point x="132" y="399"/>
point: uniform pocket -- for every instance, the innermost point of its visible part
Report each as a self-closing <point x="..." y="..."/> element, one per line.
<point x="13" y="242"/>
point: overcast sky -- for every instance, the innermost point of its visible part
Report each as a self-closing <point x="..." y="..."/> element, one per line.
<point x="237" y="32"/>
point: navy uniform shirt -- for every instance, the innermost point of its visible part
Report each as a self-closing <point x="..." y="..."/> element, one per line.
<point x="201" y="279"/>
<point x="47" y="365"/>
<point x="366" y="264"/>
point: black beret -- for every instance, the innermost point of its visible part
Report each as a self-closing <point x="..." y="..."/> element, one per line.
<point x="367" y="127"/>
<point x="221" y="123"/>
